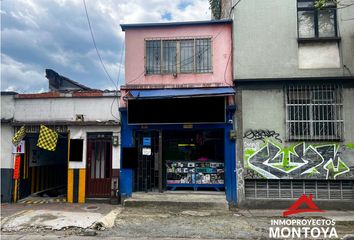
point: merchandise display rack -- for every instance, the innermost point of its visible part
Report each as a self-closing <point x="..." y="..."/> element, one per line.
<point x="195" y="174"/>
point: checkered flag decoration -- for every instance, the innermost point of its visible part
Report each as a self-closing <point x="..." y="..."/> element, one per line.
<point x="47" y="138"/>
<point x="19" y="135"/>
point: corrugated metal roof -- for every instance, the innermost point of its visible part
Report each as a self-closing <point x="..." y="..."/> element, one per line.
<point x="175" y="93"/>
<point x="173" y="24"/>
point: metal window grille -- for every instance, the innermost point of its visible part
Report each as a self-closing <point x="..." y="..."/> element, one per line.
<point x="178" y="56"/>
<point x="203" y="55"/>
<point x="169" y="56"/>
<point x="293" y="189"/>
<point x="187" y="56"/>
<point x="153" y="57"/>
<point x="314" y="112"/>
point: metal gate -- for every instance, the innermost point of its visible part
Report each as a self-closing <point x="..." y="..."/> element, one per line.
<point x="99" y="165"/>
<point x="148" y="171"/>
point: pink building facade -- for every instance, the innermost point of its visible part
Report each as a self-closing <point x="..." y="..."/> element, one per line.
<point x="177" y="108"/>
<point x="136" y="36"/>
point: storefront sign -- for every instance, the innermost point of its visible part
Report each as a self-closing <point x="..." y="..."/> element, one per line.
<point x="17" y="164"/>
<point x="147" y="141"/>
<point x="20" y="148"/>
<point x="147" y="151"/>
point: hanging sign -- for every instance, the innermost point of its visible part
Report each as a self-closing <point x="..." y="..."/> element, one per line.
<point x="147" y="151"/>
<point x="20" y="148"/>
<point x="17" y="165"/>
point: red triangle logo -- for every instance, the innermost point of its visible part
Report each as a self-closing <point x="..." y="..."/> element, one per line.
<point x="295" y="208"/>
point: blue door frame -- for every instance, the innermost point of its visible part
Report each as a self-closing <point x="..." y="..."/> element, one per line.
<point x="127" y="140"/>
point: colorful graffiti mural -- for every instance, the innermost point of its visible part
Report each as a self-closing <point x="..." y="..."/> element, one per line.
<point x="299" y="161"/>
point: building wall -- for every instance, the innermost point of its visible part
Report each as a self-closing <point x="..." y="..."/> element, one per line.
<point x="6" y="145"/>
<point x="348" y="98"/>
<point x="266" y="49"/>
<point x="34" y="110"/>
<point x="263" y="110"/>
<point x="7" y="112"/>
<point x="221" y="52"/>
<point x="6" y="162"/>
<point x="265" y="43"/>
<point x="78" y="132"/>
<point x="66" y="109"/>
<point x="7" y="105"/>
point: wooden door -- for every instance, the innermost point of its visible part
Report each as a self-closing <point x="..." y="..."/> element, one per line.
<point x="99" y="168"/>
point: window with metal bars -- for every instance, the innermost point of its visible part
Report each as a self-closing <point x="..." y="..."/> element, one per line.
<point x="178" y="56"/>
<point x="314" y="112"/>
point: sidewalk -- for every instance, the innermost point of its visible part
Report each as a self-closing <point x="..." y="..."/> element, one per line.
<point x="75" y="221"/>
<point x="52" y="216"/>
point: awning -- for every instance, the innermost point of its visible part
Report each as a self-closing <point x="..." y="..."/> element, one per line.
<point x="181" y="93"/>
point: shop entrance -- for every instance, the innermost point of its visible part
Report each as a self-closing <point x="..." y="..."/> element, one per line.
<point x="43" y="173"/>
<point x="179" y="160"/>
<point x="194" y="159"/>
<point x="147" y="173"/>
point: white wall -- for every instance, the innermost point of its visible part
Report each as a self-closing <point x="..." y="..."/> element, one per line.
<point x="7" y="112"/>
<point x="348" y="110"/>
<point x="7" y="106"/>
<point x="264" y="109"/>
<point x="319" y="55"/>
<point x="78" y="132"/>
<point x="6" y="146"/>
<point x="65" y="109"/>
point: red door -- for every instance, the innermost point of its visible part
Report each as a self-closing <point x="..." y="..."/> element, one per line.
<point x="99" y="165"/>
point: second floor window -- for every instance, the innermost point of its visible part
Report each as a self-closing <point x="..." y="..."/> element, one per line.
<point x="316" y="23"/>
<point x="178" y="56"/>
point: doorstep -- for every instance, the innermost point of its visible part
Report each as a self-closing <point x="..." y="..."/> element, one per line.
<point x="180" y="199"/>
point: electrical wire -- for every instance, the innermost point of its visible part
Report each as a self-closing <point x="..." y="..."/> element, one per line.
<point x="95" y="45"/>
<point x="232" y="8"/>
<point x="116" y="98"/>
<point x="121" y="61"/>
<point x="118" y="78"/>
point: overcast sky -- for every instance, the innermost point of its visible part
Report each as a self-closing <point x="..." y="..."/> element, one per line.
<point x="40" y="34"/>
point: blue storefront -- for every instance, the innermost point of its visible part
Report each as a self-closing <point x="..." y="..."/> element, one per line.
<point x="176" y="139"/>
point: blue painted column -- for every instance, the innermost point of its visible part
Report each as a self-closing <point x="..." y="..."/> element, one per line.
<point x="126" y="174"/>
<point x="230" y="166"/>
<point x="230" y="159"/>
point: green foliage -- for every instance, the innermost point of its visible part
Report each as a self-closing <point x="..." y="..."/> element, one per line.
<point x="215" y="7"/>
<point x="322" y="3"/>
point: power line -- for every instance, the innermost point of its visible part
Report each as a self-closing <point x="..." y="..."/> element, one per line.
<point x="95" y="45"/>
<point x="118" y="78"/>
<point x="232" y="8"/>
<point x="121" y="61"/>
<point x="101" y="61"/>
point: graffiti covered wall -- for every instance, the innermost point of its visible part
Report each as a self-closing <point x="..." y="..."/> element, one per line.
<point x="266" y="156"/>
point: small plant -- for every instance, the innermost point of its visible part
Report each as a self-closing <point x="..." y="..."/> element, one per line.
<point x="215" y="7"/>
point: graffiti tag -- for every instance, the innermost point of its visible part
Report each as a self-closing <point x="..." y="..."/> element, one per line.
<point x="298" y="161"/>
<point x="261" y="134"/>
